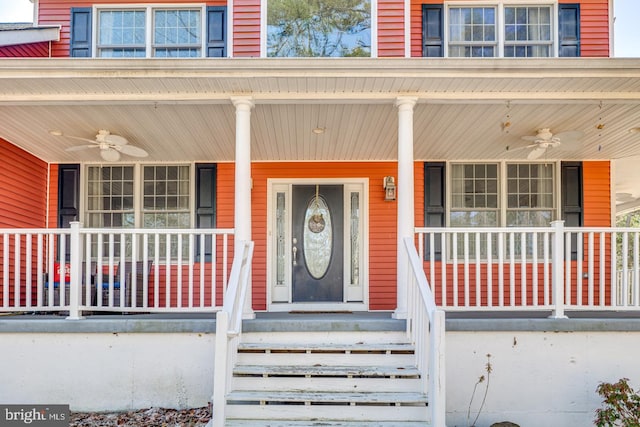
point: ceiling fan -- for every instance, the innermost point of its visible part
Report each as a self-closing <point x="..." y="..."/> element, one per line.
<point x="544" y="140"/>
<point x="110" y="145"/>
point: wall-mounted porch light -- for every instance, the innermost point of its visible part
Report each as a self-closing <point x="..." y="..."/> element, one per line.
<point x="389" y="185"/>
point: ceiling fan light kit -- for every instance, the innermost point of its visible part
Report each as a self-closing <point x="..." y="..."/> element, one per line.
<point x="110" y="145"/>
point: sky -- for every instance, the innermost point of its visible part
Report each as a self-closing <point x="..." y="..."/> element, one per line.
<point x="626" y="28"/>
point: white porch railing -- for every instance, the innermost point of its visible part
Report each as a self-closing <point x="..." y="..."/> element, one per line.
<point x="229" y="329"/>
<point x="537" y="268"/>
<point x="113" y="270"/>
<point x="426" y="330"/>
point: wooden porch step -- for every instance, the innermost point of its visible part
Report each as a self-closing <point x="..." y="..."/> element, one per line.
<point x="382" y="348"/>
<point x="307" y="406"/>
<point x="285" y="423"/>
<point x="321" y="398"/>
<point x="327" y="371"/>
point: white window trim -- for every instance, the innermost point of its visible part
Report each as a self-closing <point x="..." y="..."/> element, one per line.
<point x="500" y="5"/>
<point x="502" y="183"/>
<point x="148" y="23"/>
<point x="263" y="28"/>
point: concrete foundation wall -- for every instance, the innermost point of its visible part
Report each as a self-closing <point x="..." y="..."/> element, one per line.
<point x="542" y="374"/>
<point x="107" y="371"/>
<point x="538" y="378"/>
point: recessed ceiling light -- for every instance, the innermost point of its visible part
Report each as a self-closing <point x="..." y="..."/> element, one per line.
<point x="634" y="130"/>
<point x="318" y="130"/>
<point x="55" y="132"/>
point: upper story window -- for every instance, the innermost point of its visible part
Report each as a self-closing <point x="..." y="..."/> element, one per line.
<point x="474" y="32"/>
<point x="149" y="32"/>
<point x="161" y="32"/>
<point x="501" y="29"/>
<point x="321" y="28"/>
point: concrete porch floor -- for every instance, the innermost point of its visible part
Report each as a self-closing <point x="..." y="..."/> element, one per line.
<point x="320" y="321"/>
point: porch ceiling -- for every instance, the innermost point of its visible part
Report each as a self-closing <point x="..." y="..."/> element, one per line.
<point x="181" y="110"/>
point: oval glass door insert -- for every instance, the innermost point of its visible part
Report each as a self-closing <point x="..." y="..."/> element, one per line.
<point x="318" y="237"/>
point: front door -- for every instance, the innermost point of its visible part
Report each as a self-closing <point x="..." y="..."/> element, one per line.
<point x="317" y="243"/>
<point x="317" y="247"/>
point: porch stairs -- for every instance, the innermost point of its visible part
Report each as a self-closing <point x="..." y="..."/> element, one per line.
<point x="332" y="370"/>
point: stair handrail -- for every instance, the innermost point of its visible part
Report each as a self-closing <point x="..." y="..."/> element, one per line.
<point x="426" y="329"/>
<point x="229" y="328"/>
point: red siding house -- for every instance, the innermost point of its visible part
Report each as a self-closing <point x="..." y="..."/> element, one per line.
<point x="265" y="157"/>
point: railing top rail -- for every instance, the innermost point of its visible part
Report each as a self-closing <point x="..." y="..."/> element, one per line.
<point x="486" y="230"/>
<point x="157" y="231"/>
<point x="418" y="271"/>
<point x="42" y="231"/>
<point x="118" y="230"/>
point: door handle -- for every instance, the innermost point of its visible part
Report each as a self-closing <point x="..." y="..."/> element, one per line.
<point x="294" y="249"/>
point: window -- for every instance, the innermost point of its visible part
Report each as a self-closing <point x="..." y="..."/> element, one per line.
<point x="110" y="197"/>
<point x="474" y="195"/>
<point x="476" y="201"/>
<point x="529" y="195"/>
<point x="321" y="28"/>
<point x="150" y="32"/>
<point x="473" y="31"/>
<point x="539" y="28"/>
<point x="113" y="202"/>
<point x="145" y="32"/>
<point x="166" y="197"/>
<point x="527" y="32"/>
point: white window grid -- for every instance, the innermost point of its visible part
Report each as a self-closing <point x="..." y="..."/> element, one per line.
<point x="149" y="47"/>
<point x="503" y="48"/>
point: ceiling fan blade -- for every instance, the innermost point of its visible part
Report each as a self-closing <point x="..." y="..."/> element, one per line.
<point x="110" y="155"/>
<point x="570" y="144"/>
<point x="531" y="138"/>
<point x="79" y="138"/>
<point x="569" y="135"/>
<point x="115" y="139"/>
<point x="131" y="150"/>
<point x="80" y="147"/>
<point x="536" y="153"/>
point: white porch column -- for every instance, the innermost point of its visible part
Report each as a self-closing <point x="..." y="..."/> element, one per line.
<point x="242" y="211"/>
<point x="406" y="220"/>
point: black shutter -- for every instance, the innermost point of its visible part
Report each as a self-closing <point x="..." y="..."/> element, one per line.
<point x="80" y="44"/>
<point x="205" y="202"/>
<point x="434" y="203"/>
<point x="569" y="29"/>
<point x="68" y="199"/>
<point x="572" y="200"/>
<point x="432" y="30"/>
<point x="217" y="31"/>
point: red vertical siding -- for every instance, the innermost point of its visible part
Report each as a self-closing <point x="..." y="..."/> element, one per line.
<point x="58" y="12"/>
<point x="30" y="50"/>
<point x="246" y="28"/>
<point x="390" y="28"/>
<point x="23" y="191"/>
<point x="597" y="194"/>
<point x="23" y="180"/>
<point x="594" y="26"/>
<point x="382" y="222"/>
<point x="53" y="196"/>
<point x="416" y="25"/>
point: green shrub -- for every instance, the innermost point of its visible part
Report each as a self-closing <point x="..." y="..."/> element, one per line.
<point x="621" y="405"/>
